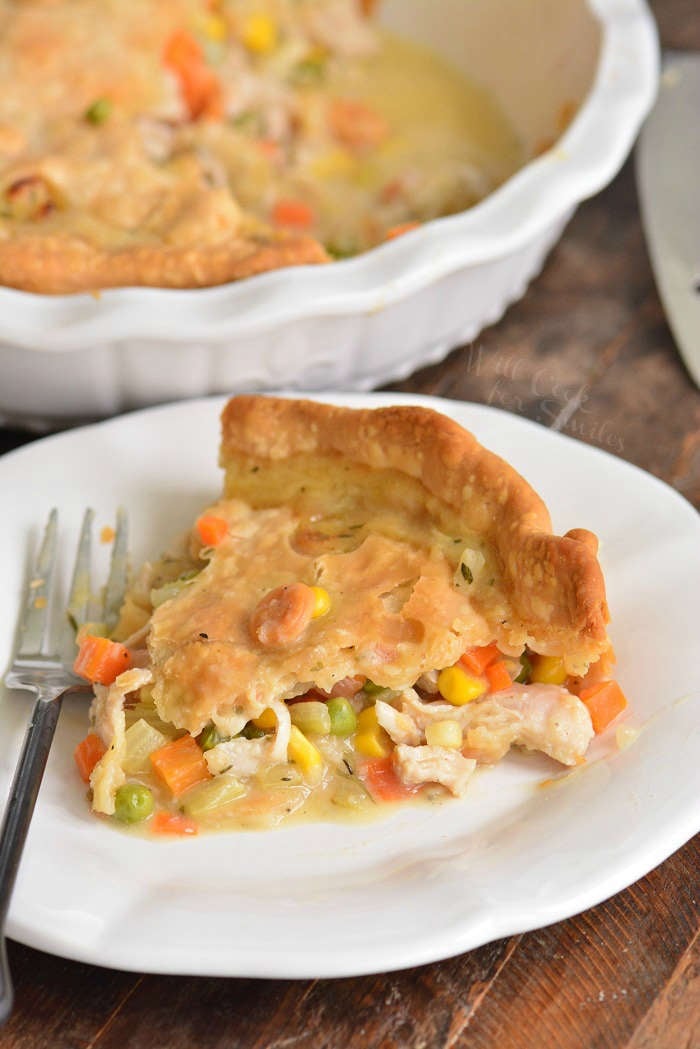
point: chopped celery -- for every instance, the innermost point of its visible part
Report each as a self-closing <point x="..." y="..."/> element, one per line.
<point x="141" y="740"/>
<point x="342" y="716"/>
<point x="214" y="794"/>
<point x="525" y="674"/>
<point x="309" y="72"/>
<point x="161" y="594"/>
<point x="371" y="689"/>
<point x="251" y="731"/>
<point x="209" y="737"/>
<point x="147" y="712"/>
<point x="349" y="793"/>
<point x="311" y="716"/>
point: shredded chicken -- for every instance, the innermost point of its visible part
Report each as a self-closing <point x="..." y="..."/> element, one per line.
<point x="400" y="727"/>
<point x="109" y="721"/>
<point x="425" y="714"/>
<point x="434" y="765"/>
<point x="339" y="26"/>
<point x="246" y="757"/>
<point x="243" y="756"/>
<point x="539" y="717"/>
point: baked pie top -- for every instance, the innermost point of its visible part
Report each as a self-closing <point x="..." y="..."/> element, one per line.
<point x="181" y="143"/>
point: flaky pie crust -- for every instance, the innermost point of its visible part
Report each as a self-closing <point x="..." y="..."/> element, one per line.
<point x="61" y="264"/>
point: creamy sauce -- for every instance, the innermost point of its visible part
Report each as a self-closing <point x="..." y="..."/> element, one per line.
<point x="281" y="796"/>
<point x="450" y="145"/>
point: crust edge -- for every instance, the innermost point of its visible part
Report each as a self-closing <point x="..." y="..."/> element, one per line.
<point x="64" y="265"/>
<point x="554" y="583"/>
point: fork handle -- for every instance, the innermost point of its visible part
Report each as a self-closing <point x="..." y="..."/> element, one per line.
<point x="18" y="814"/>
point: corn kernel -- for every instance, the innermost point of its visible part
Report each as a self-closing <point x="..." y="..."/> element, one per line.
<point x="459" y="688"/>
<point x="322" y="602"/>
<point x="268" y="719"/>
<point x="333" y="164"/>
<point x="214" y="28"/>
<point x="367" y="720"/>
<point x="548" y="670"/>
<point x="447" y="733"/>
<point x="373" y="744"/>
<point x="259" y="34"/>
<point x="302" y="751"/>
<point x="371" y="739"/>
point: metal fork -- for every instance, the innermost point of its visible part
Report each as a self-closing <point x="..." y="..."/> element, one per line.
<point x="41" y="668"/>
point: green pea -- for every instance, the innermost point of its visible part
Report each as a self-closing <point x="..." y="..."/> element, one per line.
<point x="309" y="72"/>
<point x="99" y="111"/>
<point x="133" y="803"/>
<point x="343" y="719"/>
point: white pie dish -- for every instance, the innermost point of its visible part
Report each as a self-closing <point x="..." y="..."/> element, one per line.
<point x="359" y="323"/>
<point x="328" y="899"/>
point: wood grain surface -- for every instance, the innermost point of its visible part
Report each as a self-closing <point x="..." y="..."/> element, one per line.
<point x="587" y="352"/>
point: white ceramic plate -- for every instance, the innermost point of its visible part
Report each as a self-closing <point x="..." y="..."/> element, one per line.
<point x="328" y="899"/>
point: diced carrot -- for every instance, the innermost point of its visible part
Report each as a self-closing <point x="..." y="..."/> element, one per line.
<point x="379" y="776"/>
<point x="212" y="530"/>
<point x="356" y="124"/>
<point x="180" y="764"/>
<point x="181" y="49"/>
<point x="269" y="148"/>
<point x="294" y="213"/>
<point x="170" y="823"/>
<point x="597" y="672"/>
<point x="100" y="659"/>
<point x="398" y="231"/>
<point x="497" y="676"/>
<point x="87" y="754"/>
<point x="477" y="659"/>
<point x="604" y="701"/>
<point x="200" y="86"/>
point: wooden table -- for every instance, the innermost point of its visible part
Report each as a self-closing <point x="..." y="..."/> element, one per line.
<point x="587" y="352"/>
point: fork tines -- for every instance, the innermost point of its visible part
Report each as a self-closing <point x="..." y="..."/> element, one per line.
<point x="83" y="605"/>
<point x="35" y="618"/>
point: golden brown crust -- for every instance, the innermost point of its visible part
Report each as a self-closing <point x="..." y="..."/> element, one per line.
<point x="59" y="265"/>
<point x="554" y="584"/>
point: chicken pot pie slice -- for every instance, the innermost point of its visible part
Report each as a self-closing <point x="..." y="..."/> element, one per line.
<point x="375" y="607"/>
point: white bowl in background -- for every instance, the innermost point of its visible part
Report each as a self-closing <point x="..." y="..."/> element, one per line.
<point x="362" y="322"/>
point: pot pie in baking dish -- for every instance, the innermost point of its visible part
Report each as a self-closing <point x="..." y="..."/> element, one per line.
<point x="186" y="143"/>
<point x="374" y="609"/>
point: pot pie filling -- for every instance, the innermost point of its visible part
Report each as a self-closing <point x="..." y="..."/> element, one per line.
<point x="327" y="639"/>
<point x="186" y="143"/>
